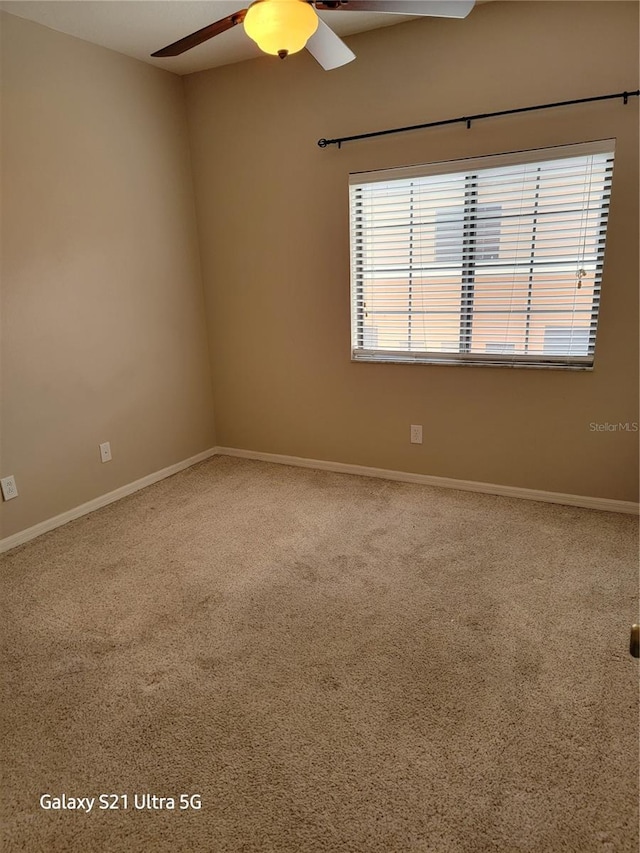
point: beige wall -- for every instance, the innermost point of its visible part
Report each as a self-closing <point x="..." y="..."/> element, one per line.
<point x="103" y="320"/>
<point x="272" y="217"/>
<point x="103" y="336"/>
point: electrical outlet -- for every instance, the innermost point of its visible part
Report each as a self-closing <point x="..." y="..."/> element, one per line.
<point x="416" y="433"/>
<point x="9" y="488"/>
<point x="105" y="451"/>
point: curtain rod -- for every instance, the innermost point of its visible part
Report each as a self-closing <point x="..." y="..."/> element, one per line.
<point x="323" y="143"/>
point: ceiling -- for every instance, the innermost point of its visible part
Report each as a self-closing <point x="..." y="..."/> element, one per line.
<point x="138" y="27"/>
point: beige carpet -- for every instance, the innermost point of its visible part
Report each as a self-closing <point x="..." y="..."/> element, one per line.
<point x="333" y="663"/>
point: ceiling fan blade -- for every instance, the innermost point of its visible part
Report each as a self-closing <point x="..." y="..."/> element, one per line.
<point x="328" y="49"/>
<point x="427" y="8"/>
<point x="202" y="35"/>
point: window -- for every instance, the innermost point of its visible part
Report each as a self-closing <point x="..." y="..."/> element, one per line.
<point x="450" y="233"/>
<point x="559" y="341"/>
<point x="496" y="260"/>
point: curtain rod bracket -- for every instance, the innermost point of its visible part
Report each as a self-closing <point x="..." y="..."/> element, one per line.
<point x="468" y="124"/>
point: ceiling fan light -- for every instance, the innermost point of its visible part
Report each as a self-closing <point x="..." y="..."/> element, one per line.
<point x="280" y="27"/>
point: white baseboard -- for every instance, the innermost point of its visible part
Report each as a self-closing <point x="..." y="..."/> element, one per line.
<point x="97" y="503"/>
<point x="606" y="504"/>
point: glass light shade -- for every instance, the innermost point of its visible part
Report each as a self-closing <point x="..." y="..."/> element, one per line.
<point x="280" y="27"/>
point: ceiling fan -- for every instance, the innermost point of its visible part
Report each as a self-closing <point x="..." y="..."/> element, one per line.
<point x="281" y="27"/>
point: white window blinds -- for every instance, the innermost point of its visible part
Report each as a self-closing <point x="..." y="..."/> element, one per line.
<point x="495" y="260"/>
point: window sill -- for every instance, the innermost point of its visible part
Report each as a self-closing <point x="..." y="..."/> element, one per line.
<point x="534" y="362"/>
